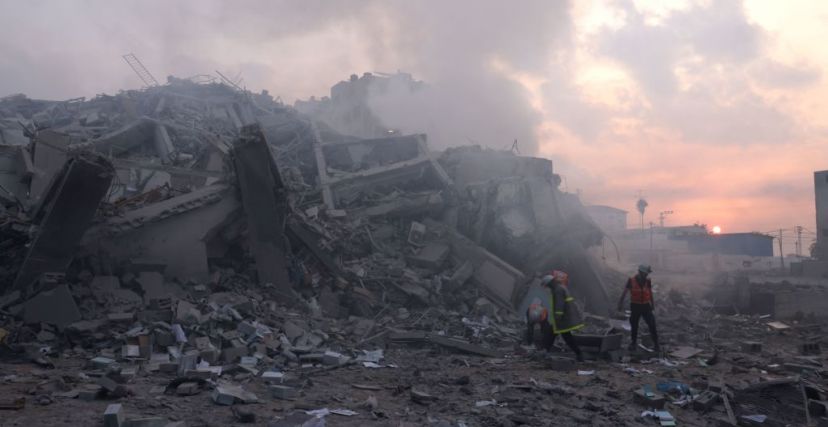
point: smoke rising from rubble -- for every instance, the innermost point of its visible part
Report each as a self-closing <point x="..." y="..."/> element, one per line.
<point x="466" y="98"/>
<point x="274" y="45"/>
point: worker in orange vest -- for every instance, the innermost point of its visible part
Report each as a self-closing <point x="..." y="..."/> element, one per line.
<point x="642" y="304"/>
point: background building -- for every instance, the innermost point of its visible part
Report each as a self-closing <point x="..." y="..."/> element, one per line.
<point x="610" y="219"/>
<point x="821" y="195"/>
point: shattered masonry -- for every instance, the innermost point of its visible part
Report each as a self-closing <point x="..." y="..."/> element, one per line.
<point x="226" y="245"/>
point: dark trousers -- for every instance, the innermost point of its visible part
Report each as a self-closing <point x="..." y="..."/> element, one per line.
<point x="549" y="339"/>
<point x="637" y="311"/>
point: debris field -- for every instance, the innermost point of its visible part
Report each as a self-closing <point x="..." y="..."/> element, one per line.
<point x="195" y="254"/>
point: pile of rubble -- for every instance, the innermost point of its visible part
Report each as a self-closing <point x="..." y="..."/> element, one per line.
<point x="213" y="234"/>
<point x="170" y="255"/>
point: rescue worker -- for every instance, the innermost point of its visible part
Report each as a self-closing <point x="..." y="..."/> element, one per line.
<point x="537" y="314"/>
<point x="642" y="304"/>
<point x="566" y="315"/>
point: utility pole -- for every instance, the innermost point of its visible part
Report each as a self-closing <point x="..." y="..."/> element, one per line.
<point x="661" y="216"/>
<point x="651" y="243"/>
<point x="799" y="240"/>
<point x="781" y="254"/>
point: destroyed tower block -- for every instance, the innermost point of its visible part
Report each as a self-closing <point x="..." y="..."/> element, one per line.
<point x="264" y="205"/>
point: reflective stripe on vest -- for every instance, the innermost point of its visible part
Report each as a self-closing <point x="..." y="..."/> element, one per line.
<point x="640" y="294"/>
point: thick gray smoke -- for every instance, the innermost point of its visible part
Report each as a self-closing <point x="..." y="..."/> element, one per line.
<point x="466" y="99"/>
<point x="296" y="49"/>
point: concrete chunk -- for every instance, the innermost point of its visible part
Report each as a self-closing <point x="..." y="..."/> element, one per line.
<point x="283" y="392"/>
<point x="187" y="389"/>
<point x="228" y="395"/>
<point x="56" y="307"/>
<point x="431" y="256"/>
<point x="114" y="415"/>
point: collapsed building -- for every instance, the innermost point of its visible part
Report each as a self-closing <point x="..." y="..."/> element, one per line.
<point x="216" y="239"/>
<point x="193" y="179"/>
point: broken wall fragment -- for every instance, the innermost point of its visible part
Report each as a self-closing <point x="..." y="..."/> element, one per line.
<point x="64" y="214"/>
<point x="264" y="206"/>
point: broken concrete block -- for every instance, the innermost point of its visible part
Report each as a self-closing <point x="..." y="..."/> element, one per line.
<point x="283" y="392"/>
<point x="292" y="330"/>
<point x="187" y="389"/>
<point x="187" y="313"/>
<point x="188" y="361"/>
<point x="114" y="415"/>
<point x="232" y="354"/>
<point x="228" y="395"/>
<point x="431" y="256"/>
<point x="130" y="350"/>
<point x="89" y="392"/>
<point x="333" y="358"/>
<point x="336" y="213"/>
<point x="705" y="401"/>
<point x="649" y="399"/>
<point x="273" y="377"/>
<point x="422" y="397"/>
<point x="248" y="361"/>
<point x="107" y="384"/>
<point x="56" y="307"/>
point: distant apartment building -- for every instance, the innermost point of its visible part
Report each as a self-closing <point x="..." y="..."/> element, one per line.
<point x="611" y="220"/>
<point x="821" y="194"/>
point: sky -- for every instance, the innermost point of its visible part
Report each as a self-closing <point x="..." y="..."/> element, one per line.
<point x="715" y="110"/>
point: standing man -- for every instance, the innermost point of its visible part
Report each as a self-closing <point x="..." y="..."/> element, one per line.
<point x="642" y="304"/>
<point x="566" y="315"/>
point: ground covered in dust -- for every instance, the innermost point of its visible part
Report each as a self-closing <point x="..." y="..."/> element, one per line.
<point x="431" y="386"/>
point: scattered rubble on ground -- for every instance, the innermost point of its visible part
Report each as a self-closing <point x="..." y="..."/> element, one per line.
<point x="193" y="254"/>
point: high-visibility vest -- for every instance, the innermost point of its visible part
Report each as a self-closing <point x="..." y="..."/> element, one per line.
<point x="640" y="294"/>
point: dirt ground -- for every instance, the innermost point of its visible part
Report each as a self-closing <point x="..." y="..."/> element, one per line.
<point x="520" y="389"/>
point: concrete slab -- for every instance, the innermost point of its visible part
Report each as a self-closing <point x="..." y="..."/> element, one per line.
<point x="56" y="307"/>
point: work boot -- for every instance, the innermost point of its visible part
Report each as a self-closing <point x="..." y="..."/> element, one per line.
<point x="632" y="347"/>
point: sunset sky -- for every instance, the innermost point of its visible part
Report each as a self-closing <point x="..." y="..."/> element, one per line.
<point x="713" y="109"/>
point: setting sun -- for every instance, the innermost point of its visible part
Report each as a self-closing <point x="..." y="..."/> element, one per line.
<point x="717" y="230"/>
